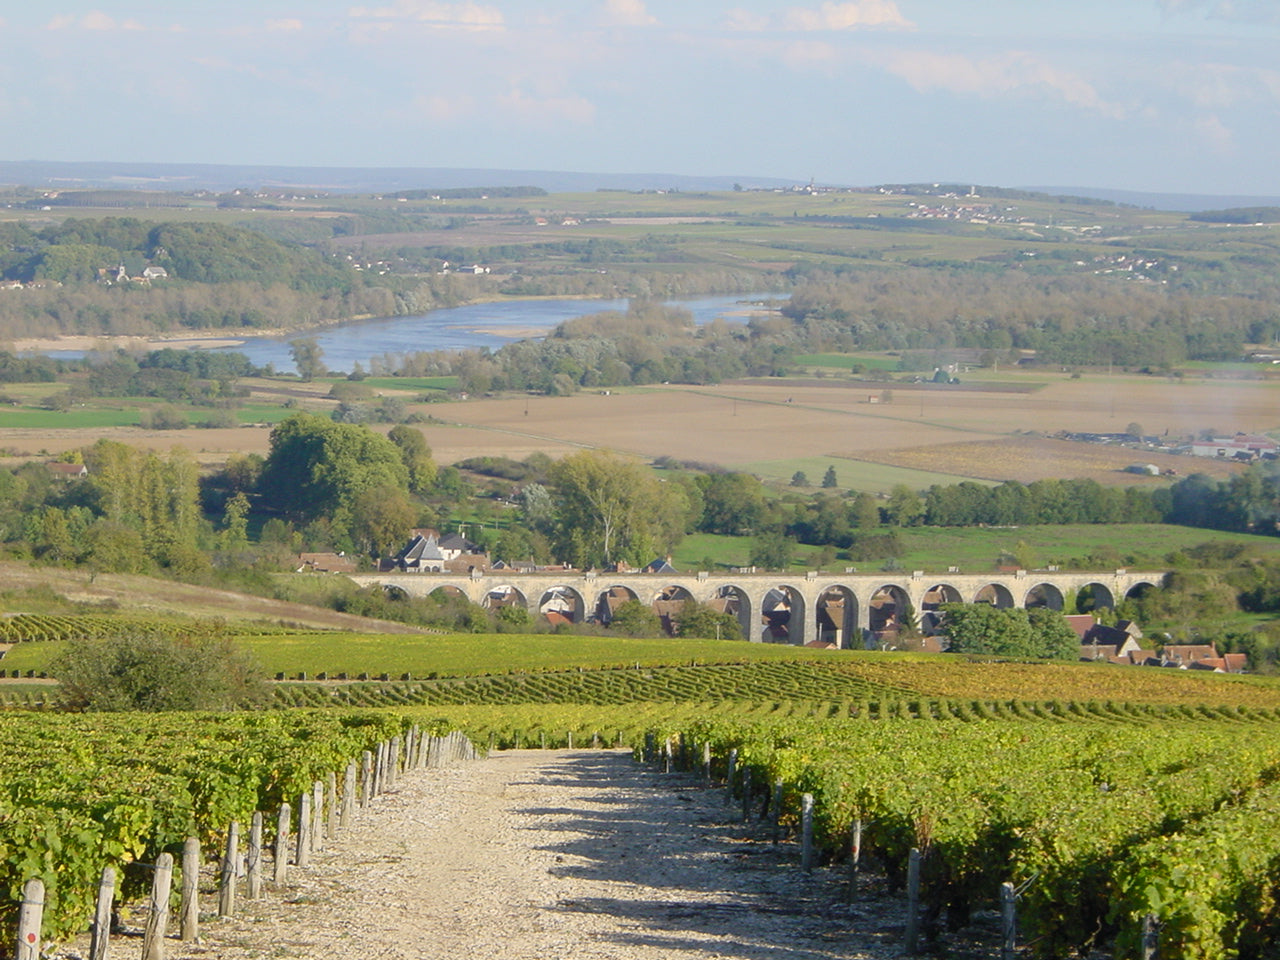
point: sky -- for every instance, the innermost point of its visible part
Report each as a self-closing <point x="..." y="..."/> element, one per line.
<point x="1152" y="95"/>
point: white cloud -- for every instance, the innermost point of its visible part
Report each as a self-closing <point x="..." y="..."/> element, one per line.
<point x="468" y="15"/>
<point x="97" y="20"/>
<point x="853" y="15"/>
<point x="539" y="109"/>
<point x="748" y="20"/>
<point x="829" y="17"/>
<point x="628" y="13"/>
<point x="996" y="76"/>
<point x="1243" y="11"/>
<point x="1213" y="87"/>
<point x="287" y="25"/>
<point x="1215" y="134"/>
<point x="94" y="20"/>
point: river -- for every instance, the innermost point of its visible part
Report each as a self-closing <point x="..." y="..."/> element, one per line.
<point x="474" y="325"/>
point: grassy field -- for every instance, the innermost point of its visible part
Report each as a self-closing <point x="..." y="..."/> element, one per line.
<point x="411" y="383"/>
<point x="974" y="549"/>
<point x="849" y="361"/>
<point x="859" y="475"/>
<point x="724" y="551"/>
<point x="1138" y="545"/>
<point x="458" y="655"/>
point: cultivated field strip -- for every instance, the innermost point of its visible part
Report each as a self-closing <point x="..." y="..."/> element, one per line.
<point x="703" y="682"/>
<point x="1102" y="814"/>
<point x="80" y="792"/>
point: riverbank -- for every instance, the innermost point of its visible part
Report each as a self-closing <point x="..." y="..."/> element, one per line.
<point x="476" y="323"/>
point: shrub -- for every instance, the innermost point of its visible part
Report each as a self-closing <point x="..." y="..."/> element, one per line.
<point x="202" y="670"/>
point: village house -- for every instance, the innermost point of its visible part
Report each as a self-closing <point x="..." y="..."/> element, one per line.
<point x="67" y="471"/>
<point x="1202" y="656"/>
<point x="326" y="563"/>
<point x="1243" y="446"/>
<point x="427" y="552"/>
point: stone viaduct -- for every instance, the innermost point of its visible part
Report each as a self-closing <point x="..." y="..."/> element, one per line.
<point x="846" y="609"/>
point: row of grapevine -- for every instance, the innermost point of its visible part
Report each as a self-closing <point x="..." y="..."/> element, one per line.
<point x="78" y="793"/>
<point x="34" y="627"/>
<point x="759" y="680"/>
<point x="1101" y="822"/>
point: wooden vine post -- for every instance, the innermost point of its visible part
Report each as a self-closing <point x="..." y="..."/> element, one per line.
<point x="331" y="805"/>
<point x="731" y="773"/>
<point x="706" y="762"/>
<point x="855" y="858"/>
<point x="302" y="855"/>
<point x="913" y="902"/>
<point x="1150" y="938"/>
<point x="283" y="819"/>
<point x="158" y="911"/>
<point x="806" y="831"/>
<point x="746" y="794"/>
<point x="100" y="930"/>
<point x="253" y="862"/>
<point x="775" y="808"/>
<point x="30" y="920"/>
<point x="366" y="777"/>
<point x="348" y="796"/>
<point x="227" y="882"/>
<point x="1008" y="921"/>
<point x="189" y="905"/>
<point x="317" y="817"/>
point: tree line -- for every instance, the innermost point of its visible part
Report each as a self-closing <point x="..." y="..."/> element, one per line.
<point x="330" y="486"/>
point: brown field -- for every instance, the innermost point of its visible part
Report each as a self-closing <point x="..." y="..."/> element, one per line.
<point x="210" y="447"/>
<point x="1027" y="459"/>
<point x="971" y="432"/>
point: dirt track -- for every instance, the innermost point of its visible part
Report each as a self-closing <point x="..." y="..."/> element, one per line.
<point x="533" y="854"/>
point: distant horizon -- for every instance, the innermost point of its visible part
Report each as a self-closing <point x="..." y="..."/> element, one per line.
<point x="1167" y="97"/>
<point x="162" y="176"/>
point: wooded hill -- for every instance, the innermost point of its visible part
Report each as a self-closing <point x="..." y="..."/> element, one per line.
<point x="1014" y="268"/>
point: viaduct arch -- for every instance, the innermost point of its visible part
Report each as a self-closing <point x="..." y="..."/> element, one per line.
<point x="844" y="609"/>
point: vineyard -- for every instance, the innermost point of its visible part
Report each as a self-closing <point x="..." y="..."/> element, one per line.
<point x="1100" y="814"/>
<point x="82" y="792"/>
<point x="45" y="627"/>
<point x="1104" y="794"/>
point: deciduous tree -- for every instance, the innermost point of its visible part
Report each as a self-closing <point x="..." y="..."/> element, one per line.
<point x="318" y="468"/>
<point x="606" y="509"/>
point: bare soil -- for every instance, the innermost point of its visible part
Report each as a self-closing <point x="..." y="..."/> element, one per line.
<point x="1027" y="459"/>
<point x="745" y="422"/>
<point x="535" y="855"/>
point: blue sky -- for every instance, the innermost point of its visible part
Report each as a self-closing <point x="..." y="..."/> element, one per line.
<point x="1157" y="95"/>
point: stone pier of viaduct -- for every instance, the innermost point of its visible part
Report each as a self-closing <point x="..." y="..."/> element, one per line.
<point x="845" y="609"/>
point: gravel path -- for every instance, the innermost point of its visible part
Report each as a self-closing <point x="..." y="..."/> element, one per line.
<point x="548" y="855"/>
